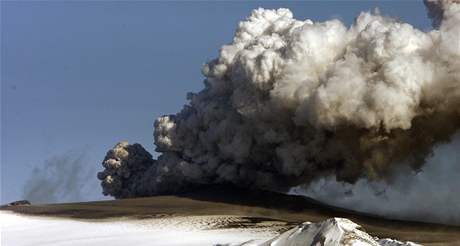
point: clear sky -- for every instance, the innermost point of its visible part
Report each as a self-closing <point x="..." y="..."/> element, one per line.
<point x="77" y="77"/>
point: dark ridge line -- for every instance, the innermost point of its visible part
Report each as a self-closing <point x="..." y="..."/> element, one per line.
<point x="296" y="203"/>
<point x="250" y="197"/>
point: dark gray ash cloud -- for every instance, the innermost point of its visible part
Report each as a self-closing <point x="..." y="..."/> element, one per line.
<point x="289" y="101"/>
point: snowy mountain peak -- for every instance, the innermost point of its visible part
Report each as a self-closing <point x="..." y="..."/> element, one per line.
<point x="331" y="232"/>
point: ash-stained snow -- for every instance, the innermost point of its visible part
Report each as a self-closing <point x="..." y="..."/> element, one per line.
<point x="392" y="242"/>
<point x="22" y="230"/>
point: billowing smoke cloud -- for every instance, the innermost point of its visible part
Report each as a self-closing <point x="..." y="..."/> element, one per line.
<point x="126" y="168"/>
<point x="439" y="10"/>
<point x="289" y="101"/>
<point x="60" y="179"/>
<point x="430" y="193"/>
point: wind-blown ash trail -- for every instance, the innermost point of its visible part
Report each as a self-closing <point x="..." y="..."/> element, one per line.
<point x="61" y="178"/>
<point x="288" y="101"/>
<point x="430" y="194"/>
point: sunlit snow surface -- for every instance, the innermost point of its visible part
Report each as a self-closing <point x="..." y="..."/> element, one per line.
<point x="331" y="232"/>
<point x="19" y="230"/>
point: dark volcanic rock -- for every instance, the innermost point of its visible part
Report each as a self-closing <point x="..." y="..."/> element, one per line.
<point x="17" y="203"/>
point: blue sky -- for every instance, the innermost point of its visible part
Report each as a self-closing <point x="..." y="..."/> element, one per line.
<point x="77" y="77"/>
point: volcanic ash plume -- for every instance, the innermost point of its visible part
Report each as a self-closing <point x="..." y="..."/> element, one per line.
<point x="60" y="179"/>
<point x="440" y="9"/>
<point x="430" y="194"/>
<point x="288" y="101"/>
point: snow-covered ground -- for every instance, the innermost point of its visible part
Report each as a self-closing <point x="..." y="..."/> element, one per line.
<point x="331" y="232"/>
<point x="21" y="230"/>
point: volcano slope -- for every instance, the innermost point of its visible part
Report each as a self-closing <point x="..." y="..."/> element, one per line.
<point x="253" y="206"/>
